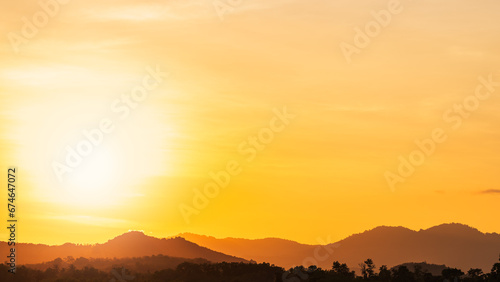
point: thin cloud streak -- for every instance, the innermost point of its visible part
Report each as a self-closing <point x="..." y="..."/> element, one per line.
<point x="490" y="191"/>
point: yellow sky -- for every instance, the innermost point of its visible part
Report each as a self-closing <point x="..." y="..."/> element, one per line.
<point x="323" y="175"/>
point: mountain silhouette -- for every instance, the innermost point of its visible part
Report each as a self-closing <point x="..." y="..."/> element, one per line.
<point x="130" y="244"/>
<point x="276" y="251"/>
<point x="454" y="245"/>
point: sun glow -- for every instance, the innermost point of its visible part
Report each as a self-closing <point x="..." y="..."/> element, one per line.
<point x="90" y="173"/>
<point x="95" y="178"/>
<point x="354" y="119"/>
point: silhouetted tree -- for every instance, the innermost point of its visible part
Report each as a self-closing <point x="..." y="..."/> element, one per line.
<point x="475" y="275"/>
<point x="367" y="269"/>
<point x="362" y="266"/>
<point x="452" y="274"/>
<point x="339" y="268"/>
<point x="402" y="274"/>
<point x="495" y="272"/>
<point x="384" y="274"/>
<point x="312" y="268"/>
<point x="342" y="271"/>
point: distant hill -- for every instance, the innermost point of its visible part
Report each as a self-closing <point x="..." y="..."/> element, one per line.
<point x="434" y="269"/>
<point x="454" y="245"/>
<point x="280" y="252"/>
<point x="131" y="244"/>
<point x="137" y="265"/>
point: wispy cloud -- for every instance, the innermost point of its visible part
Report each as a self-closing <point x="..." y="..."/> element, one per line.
<point x="490" y="191"/>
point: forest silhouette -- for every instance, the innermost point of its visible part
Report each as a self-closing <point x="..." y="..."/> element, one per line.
<point x="246" y="272"/>
<point x="448" y="252"/>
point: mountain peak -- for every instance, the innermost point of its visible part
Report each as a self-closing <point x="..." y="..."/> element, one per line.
<point x="452" y="228"/>
<point x="392" y="228"/>
<point x="136" y="233"/>
<point x="131" y="235"/>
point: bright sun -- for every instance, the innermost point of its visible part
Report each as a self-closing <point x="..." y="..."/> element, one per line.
<point x="97" y="175"/>
<point x="112" y="171"/>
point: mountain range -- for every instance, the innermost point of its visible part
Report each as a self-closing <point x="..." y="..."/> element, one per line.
<point x="453" y="245"/>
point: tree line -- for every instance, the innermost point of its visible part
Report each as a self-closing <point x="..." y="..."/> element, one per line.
<point x="252" y="272"/>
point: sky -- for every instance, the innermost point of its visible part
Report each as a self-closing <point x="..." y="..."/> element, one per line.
<point x="313" y="111"/>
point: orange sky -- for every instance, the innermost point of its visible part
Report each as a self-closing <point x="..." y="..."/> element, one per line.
<point x="321" y="176"/>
